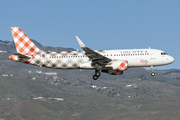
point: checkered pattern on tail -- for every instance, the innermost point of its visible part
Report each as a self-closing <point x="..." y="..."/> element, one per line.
<point x="23" y="44"/>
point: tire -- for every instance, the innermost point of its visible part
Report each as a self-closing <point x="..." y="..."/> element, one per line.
<point x="98" y="74"/>
<point x="152" y="74"/>
<point x="95" y="77"/>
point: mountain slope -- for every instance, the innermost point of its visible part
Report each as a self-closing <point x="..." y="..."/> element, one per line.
<point x="134" y="95"/>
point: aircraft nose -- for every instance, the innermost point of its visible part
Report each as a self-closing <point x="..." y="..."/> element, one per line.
<point x="171" y="59"/>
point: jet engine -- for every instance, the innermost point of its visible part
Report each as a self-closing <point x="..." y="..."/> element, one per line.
<point x="116" y="67"/>
<point x="119" y="65"/>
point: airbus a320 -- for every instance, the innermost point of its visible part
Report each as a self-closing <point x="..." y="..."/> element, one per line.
<point x="113" y="62"/>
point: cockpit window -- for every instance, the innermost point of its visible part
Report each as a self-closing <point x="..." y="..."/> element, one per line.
<point x="163" y="53"/>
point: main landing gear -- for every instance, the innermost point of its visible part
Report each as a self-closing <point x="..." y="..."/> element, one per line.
<point x="152" y="73"/>
<point x="97" y="74"/>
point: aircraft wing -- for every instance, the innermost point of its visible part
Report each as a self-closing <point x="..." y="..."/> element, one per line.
<point x="94" y="56"/>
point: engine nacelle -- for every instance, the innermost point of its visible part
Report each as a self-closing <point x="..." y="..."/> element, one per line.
<point x="113" y="72"/>
<point x="116" y="67"/>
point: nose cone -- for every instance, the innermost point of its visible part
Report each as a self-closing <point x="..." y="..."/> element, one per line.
<point x="170" y="59"/>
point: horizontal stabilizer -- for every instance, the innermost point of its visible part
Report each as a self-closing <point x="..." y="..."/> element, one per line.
<point x="22" y="56"/>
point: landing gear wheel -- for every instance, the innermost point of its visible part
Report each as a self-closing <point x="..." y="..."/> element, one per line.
<point x="152" y="74"/>
<point x="95" y="77"/>
<point x="98" y="74"/>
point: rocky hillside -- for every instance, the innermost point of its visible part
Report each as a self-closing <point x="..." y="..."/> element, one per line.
<point x="35" y="93"/>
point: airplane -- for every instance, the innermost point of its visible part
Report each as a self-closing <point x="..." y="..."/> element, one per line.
<point x="113" y="62"/>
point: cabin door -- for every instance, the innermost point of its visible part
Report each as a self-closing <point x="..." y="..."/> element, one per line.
<point x="153" y="55"/>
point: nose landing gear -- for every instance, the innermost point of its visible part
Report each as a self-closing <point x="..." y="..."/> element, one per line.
<point x="152" y="73"/>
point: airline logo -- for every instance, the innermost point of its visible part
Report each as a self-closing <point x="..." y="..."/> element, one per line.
<point x="141" y="52"/>
<point x="144" y="61"/>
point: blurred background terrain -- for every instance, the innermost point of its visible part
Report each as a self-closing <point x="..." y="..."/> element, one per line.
<point x="33" y="93"/>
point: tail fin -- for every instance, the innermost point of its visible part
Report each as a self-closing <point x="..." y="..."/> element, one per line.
<point x="23" y="44"/>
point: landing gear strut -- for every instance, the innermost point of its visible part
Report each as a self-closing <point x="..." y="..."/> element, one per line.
<point x="152" y="73"/>
<point x="97" y="74"/>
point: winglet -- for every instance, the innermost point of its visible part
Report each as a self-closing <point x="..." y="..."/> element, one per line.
<point x="80" y="42"/>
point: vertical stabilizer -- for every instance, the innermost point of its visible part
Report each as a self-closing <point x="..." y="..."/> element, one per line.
<point x="23" y="44"/>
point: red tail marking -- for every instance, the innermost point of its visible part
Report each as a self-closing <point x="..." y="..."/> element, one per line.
<point x="23" y="43"/>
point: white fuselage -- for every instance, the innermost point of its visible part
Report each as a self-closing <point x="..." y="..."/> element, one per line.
<point x="135" y="58"/>
<point x="113" y="62"/>
<point x="141" y="57"/>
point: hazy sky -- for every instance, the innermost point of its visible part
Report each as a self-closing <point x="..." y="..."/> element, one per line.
<point x="100" y="24"/>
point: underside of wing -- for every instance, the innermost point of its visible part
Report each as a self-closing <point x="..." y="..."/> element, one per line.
<point x="22" y="56"/>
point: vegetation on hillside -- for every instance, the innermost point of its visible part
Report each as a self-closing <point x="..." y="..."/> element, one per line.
<point x="35" y="93"/>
